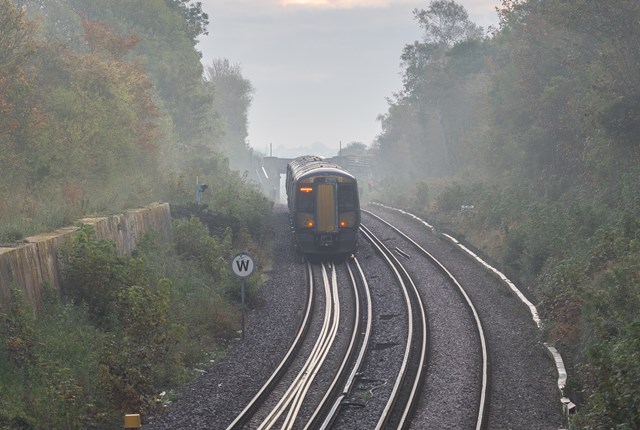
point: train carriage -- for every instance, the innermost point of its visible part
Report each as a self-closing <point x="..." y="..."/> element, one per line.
<point x="323" y="206"/>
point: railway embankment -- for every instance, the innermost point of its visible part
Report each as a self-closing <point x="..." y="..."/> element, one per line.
<point x="37" y="260"/>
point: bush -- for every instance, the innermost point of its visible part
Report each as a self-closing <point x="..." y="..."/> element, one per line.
<point x="421" y="197"/>
<point x="126" y="336"/>
<point x="192" y="241"/>
<point x="232" y="199"/>
<point x="94" y="274"/>
<point x="451" y="198"/>
<point x="66" y="390"/>
<point x="612" y="338"/>
<point x="141" y="356"/>
<point x="55" y="382"/>
<point x="202" y="290"/>
<point x="134" y="327"/>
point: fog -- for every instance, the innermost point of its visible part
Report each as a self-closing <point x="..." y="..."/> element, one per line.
<point x="321" y="72"/>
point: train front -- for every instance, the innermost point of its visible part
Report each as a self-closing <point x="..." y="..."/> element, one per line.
<point x="327" y="213"/>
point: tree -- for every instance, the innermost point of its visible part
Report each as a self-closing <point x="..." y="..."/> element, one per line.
<point x="566" y="87"/>
<point x="17" y="113"/>
<point x="232" y="94"/>
<point x="430" y="120"/>
<point x="77" y="124"/>
<point x="446" y="23"/>
<point x="196" y="20"/>
<point x="167" y="32"/>
<point x="16" y="41"/>
<point x="354" y="148"/>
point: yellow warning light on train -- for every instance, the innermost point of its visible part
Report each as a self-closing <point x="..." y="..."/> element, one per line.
<point x="310" y="223"/>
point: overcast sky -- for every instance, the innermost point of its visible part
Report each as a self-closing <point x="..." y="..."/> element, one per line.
<point x="321" y="69"/>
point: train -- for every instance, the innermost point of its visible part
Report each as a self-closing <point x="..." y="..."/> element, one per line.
<point x="324" y="207"/>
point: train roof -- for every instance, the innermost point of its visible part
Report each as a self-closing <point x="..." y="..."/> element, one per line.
<point x="309" y="165"/>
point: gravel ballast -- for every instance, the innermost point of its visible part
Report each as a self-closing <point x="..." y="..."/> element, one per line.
<point x="523" y="389"/>
<point x="219" y="395"/>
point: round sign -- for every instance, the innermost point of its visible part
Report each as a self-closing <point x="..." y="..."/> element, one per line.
<point x="242" y="265"/>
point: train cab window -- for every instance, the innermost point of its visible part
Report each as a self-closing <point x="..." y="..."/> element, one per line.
<point x="346" y="197"/>
<point x="304" y="200"/>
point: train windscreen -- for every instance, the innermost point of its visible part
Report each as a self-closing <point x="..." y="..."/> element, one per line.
<point x="346" y="197"/>
<point x="304" y="201"/>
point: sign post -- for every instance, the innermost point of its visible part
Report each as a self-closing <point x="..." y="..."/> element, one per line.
<point x="242" y="266"/>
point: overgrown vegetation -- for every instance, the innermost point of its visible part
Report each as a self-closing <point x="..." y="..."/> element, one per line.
<point x="524" y="141"/>
<point x="103" y="107"/>
<point x="131" y="328"/>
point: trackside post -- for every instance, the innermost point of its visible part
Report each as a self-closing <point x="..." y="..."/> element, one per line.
<point x="242" y="266"/>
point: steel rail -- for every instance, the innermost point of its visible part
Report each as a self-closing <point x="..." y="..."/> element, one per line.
<point x="367" y="335"/>
<point x="324" y="350"/>
<point x="356" y="336"/>
<point x="246" y="414"/>
<point x="418" y="381"/>
<point x="483" y="401"/>
<point x="396" y="393"/>
<point x="298" y="389"/>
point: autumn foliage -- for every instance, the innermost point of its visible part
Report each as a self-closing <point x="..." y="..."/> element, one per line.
<point x="101" y="40"/>
<point x="103" y="107"/>
<point x="74" y="125"/>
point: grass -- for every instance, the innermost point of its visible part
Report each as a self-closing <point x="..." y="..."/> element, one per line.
<point x="65" y="371"/>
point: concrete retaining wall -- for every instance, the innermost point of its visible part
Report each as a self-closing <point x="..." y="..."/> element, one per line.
<point x="36" y="261"/>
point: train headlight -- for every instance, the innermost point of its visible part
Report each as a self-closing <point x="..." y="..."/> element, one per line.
<point x="305" y="220"/>
<point x="347" y="219"/>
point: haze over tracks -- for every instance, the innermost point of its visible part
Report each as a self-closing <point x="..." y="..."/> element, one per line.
<point x="522" y="393"/>
<point x="523" y="389"/>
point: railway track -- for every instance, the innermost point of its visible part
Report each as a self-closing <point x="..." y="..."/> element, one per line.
<point x="279" y="403"/>
<point x="445" y="351"/>
<point x="517" y="380"/>
<point x="326" y="412"/>
<point x="406" y="389"/>
<point x="372" y="369"/>
<point x="277" y="375"/>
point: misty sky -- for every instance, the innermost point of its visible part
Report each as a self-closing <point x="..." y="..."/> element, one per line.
<point x="321" y="69"/>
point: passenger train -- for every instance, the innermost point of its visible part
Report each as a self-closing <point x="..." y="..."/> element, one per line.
<point x="324" y="207"/>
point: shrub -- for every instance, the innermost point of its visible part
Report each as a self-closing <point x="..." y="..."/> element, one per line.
<point x="141" y="355"/>
<point x="18" y="332"/>
<point x="130" y="305"/>
<point x="94" y="274"/>
<point x="421" y="199"/>
<point x="456" y="195"/>
<point x="54" y="384"/>
<point x="133" y="328"/>
<point x="192" y="241"/>
<point x="451" y="198"/>
<point x="612" y="337"/>
<point x="66" y="392"/>
<point x="199" y="301"/>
